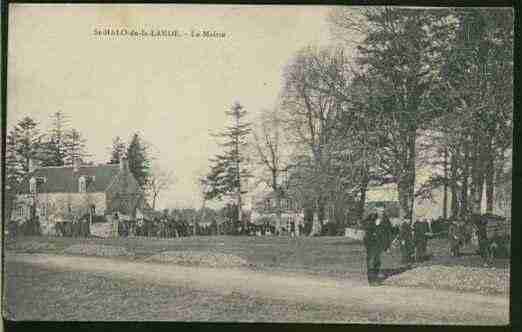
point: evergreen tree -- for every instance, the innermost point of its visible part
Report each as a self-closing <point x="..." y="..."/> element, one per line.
<point x="24" y="143"/>
<point x="75" y="147"/>
<point x="54" y="147"/>
<point x="227" y="171"/>
<point x="139" y="163"/>
<point x="118" y="150"/>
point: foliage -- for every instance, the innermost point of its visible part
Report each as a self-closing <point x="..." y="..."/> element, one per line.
<point x="138" y="159"/>
<point x="228" y="170"/>
<point x="75" y="147"/>
<point x="118" y="150"/>
<point x="23" y="145"/>
<point x="54" y="145"/>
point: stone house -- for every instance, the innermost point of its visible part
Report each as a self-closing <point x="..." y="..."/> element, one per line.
<point x="68" y="193"/>
<point x="264" y="207"/>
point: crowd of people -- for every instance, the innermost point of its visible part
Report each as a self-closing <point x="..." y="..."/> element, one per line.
<point x="412" y="238"/>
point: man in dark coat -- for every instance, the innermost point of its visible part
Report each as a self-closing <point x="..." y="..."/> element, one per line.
<point x="456" y="238"/>
<point x="421" y="239"/>
<point x="481" y="224"/>
<point x="377" y="238"/>
<point x="370" y="242"/>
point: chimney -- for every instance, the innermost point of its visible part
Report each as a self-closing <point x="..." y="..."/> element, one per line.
<point x="76" y="164"/>
<point x="124" y="164"/>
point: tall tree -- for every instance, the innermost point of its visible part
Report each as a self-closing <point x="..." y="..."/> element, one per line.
<point x="329" y="120"/>
<point x="118" y="151"/>
<point x="75" y="147"/>
<point x="480" y="83"/>
<point x="138" y="158"/>
<point x="23" y="148"/>
<point x="55" y="144"/>
<point x="270" y="156"/>
<point x="228" y="170"/>
<point x="24" y="144"/>
<point x="311" y="116"/>
<point x="401" y="52"/>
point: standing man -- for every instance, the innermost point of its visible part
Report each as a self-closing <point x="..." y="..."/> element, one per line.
<point x="455" y="238"/>
<point x="370" y="242"/>
<point x="377" y="238"/>
<point x="421" y="240"/>
<point x="481" y="223"/>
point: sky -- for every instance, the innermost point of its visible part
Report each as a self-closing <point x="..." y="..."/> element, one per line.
<point x="173" y="90"/>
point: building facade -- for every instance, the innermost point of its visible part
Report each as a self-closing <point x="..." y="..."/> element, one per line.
<point x="265" y="209"/>
<point x="68" y="193"/>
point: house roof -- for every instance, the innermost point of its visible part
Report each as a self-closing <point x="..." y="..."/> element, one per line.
<point x="65" y="179"/>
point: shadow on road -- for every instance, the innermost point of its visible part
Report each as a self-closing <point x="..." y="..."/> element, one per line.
<point x="391" y="272"/>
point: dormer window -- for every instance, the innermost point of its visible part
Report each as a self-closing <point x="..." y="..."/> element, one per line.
<point x="32" y="185"/>
<point x="268" y="204"/>
<point x="82" y="184"/>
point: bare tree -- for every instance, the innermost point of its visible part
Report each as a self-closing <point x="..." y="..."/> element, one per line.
<point x="270" y="155"/>
<point x="159" y="180"/>
<point x="311" y="117"/>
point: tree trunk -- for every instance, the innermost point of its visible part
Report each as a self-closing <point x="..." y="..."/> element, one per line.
<point x="445" y="198"/>
<point x="277" y="193"/>
<point x="453" y="185"/>
<point x="154" y="201"/>
<point x="406" y="179"/>
<point x="362" y="199"/>
<point x="239" y="209"/>
<point x="464" y="189"/>
<point x="490" y="179"/>
<point x="477" y="174"/>
<point x="321" y="210"/>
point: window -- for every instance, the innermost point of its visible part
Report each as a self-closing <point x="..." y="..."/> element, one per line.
<point x="32" y="185"/>
<point x="21" y="211"/>
<point x="82" y="184"/>
<point x="43" y="210"/>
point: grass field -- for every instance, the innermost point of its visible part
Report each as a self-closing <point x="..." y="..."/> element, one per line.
<point x="332" y="256"/>
<point x="37" y="292"/>
<point x="324" y="255"/>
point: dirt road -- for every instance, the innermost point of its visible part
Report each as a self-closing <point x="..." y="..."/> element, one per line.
<point x="443" y="306"/>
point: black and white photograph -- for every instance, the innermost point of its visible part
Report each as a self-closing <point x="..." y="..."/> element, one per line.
<point x="258" y="163"/>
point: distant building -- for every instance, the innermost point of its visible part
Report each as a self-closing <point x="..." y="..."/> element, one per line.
<point x="432" y="208"/>
<point x="264" y="209"/>
<point x="61" y="194"/>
